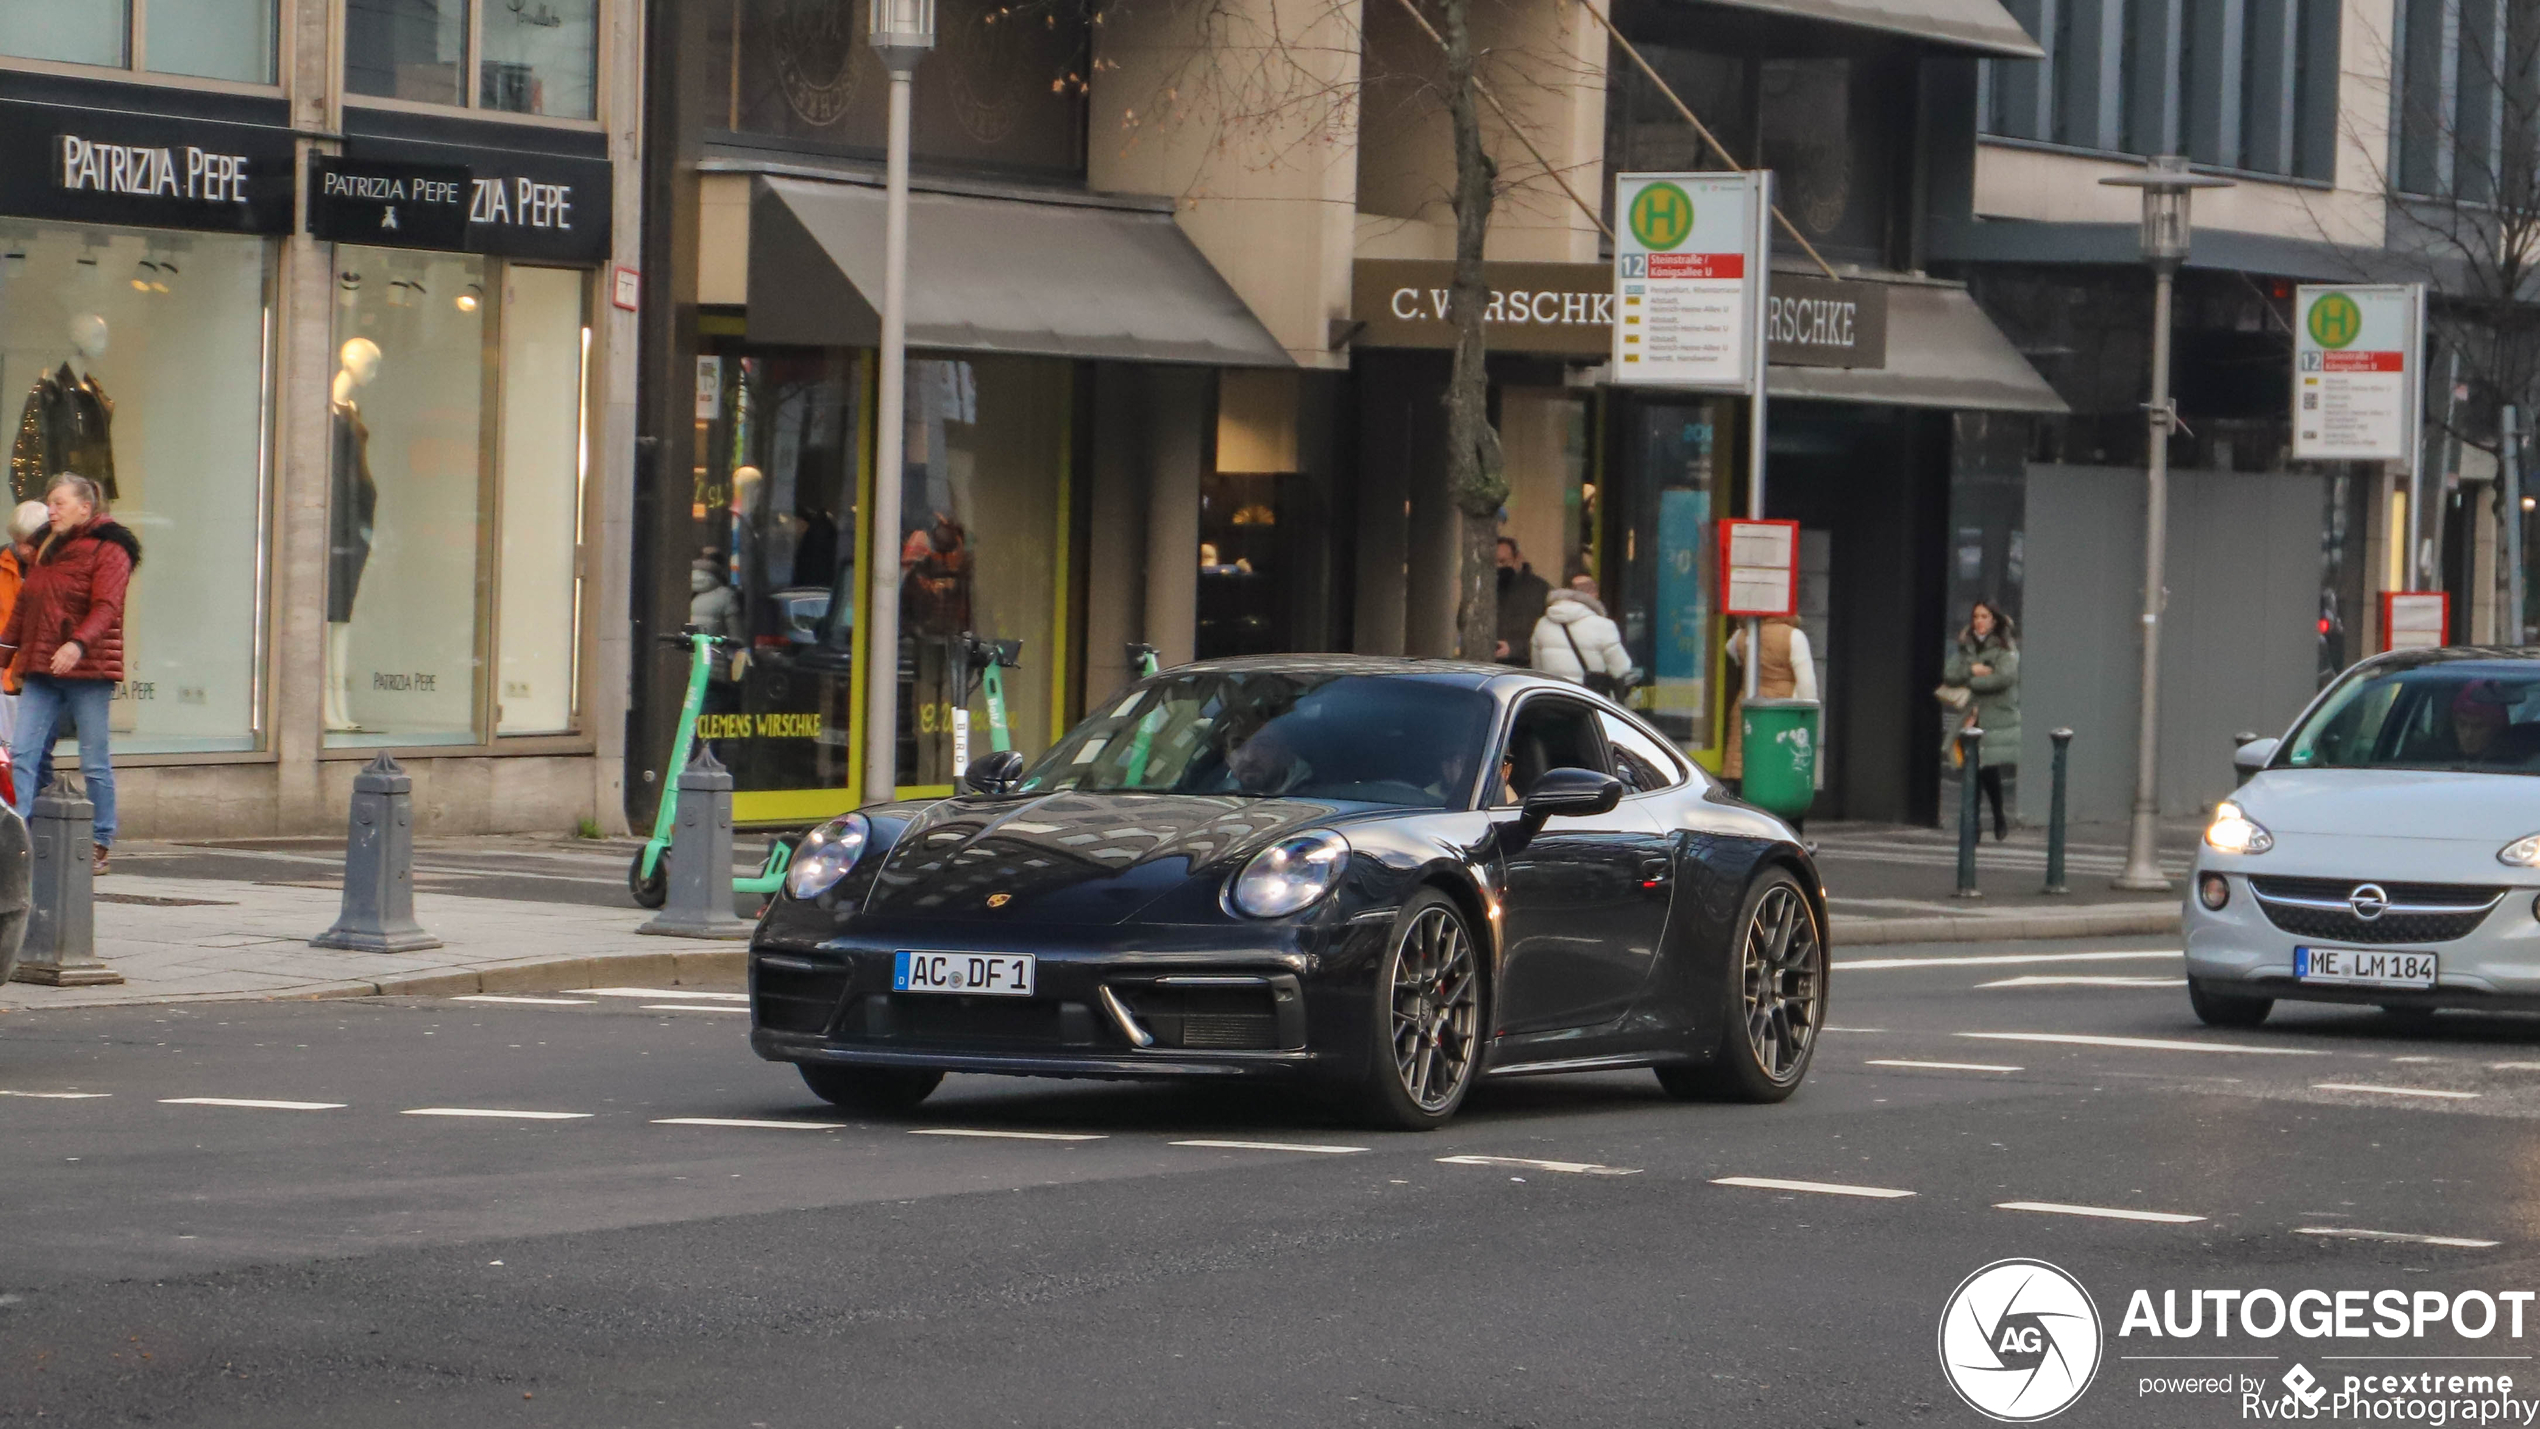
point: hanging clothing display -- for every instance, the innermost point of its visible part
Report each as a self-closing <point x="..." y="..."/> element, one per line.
<point x="350" y="510"/>
<point x="66" y="426"/>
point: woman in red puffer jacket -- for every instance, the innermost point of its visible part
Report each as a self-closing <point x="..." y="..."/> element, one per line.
<point x="66" y="635"/>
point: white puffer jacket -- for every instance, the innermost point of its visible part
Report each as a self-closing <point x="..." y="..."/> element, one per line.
<point x="1571" y="617"/>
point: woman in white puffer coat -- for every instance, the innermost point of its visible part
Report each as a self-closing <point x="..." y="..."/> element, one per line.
<point x="1576" y="642"/>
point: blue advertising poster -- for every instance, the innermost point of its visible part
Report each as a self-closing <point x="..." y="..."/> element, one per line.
<point x="1683" y="618"/>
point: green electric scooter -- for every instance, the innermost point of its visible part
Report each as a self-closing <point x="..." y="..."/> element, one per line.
<point x="989" y="659"/>
<point x="648" y="877"/>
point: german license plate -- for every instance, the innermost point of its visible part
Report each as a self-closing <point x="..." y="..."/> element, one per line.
<point x="2370" y="968"/>
<point x="971" y="974"/>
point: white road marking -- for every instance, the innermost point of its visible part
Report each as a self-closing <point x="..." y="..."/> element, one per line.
<point x="2148" y="1044"/>
<point x="2045" y="980"/>
<point x="685" y="992"/>
<point x="734" y="1121"/>
<point x="251" y="1103"/>
<point x="58" y="1096"/>
<point x="2112" y="1213"/>
<point x="528" y="1001"/>
<point x="2351" y="1233"/>
<point x="1272" y="1146"/>
<point x="1852" y="1029"/>
<point x="2004" y="959"/>
<point x="1009" y="1135"/>
<point x="687" y="1007"/>
<point x="2514" y="1066"/>
<point x="1942" y="1066"/>
<point x="1575" y="1168"/>
<point x="1822" y="1188"/>
<point x="497" y="1112"/>
<point x="2393" y="1091"/>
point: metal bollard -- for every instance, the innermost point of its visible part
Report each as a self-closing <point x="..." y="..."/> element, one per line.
<point x="2055" y="817"/>
<point x="700" y="854"/>
<point x="379" y="867"/>
<point x="1970" y="750"/>
<point x="61" y="925"/>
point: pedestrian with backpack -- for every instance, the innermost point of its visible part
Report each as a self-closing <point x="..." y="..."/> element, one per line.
<point x="1575" y="641"/>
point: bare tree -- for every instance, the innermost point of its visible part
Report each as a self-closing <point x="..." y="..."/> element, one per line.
<point x="1262" y="74"/>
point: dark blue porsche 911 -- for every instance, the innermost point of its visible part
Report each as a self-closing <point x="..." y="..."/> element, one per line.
<point x="1380" y="878"/>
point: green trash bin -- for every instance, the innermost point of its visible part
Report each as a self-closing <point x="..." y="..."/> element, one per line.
<point x="1781" y="754"/>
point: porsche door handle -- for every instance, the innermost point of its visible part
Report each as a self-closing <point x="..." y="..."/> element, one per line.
<point x="1656" y="873"/>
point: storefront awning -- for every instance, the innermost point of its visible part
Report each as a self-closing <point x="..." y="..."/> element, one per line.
<point x="1942" y="351"/>
<point x="1051" y="278"/>
<point x="1981" y="27"/>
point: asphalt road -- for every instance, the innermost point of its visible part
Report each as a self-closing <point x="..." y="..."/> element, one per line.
<point x="1048" y="1253"/>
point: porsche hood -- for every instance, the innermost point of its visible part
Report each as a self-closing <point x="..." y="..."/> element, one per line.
<point x="1074" y="858"/>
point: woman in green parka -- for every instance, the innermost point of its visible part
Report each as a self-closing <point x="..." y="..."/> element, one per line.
<point x="1986" y="663"/>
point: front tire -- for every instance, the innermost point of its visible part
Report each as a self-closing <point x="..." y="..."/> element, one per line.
<point x="1427" y="1019"/>
<point x="1776" y="1002"/>
<point x="2222" y="1009"/>
<point x="650" y="892"/>
<point x="874" y="1091"/>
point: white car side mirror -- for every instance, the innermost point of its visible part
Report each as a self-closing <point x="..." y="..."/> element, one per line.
<point x="2251" y="757"/>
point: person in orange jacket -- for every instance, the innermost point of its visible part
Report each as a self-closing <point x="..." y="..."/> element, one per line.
<point x="25" y="524"/>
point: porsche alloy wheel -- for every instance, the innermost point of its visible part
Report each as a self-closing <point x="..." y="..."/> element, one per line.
<point x="1431" y="1005"/>
<point x="1776" y="1001"/>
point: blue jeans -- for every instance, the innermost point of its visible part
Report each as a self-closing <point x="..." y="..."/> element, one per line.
<point x="45" y="706"/>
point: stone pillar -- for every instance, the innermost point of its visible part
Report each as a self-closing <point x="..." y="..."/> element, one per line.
<point x="61" y="925"/>
<point x="379" y="867"/>
<point x="700" y="857"/>
<point x="1179" y="414"/>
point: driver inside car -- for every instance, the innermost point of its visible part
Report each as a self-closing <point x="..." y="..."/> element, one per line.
<point x="1265" y="762"/>
<point x="2483" y="727"/>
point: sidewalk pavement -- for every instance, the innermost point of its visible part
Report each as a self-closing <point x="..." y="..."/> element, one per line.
<point x="1888" y="883"/>
<point x="527" y="914"/>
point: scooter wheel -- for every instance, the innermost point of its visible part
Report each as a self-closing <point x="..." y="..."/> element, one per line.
<point x="649" y="892"/>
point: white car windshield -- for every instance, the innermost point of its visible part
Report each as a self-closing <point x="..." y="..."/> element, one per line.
<point x="2476" y="715"/>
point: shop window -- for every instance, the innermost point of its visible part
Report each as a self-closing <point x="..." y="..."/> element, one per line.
<point x="982" y="527"/>
<point x="209" y="39"/>
<point x="530" y="56"/>
<point x="212" y="39"/>
<point x="773" y="564"/>
<point x="540" y="56"/>
<point x="88" y="32"/>
<point x="151" y="352"/>
<point x="1663" y="591"/>
<point x="455" y="465"/>
<point x="546" y="358"/>
<point x="406" y="49"/>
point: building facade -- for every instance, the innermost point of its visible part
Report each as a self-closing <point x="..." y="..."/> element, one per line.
<point x="335" y="286"/>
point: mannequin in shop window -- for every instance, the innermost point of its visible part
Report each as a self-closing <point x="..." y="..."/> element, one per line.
<point x="351" y="509"/>
<point x="67" y="423"/>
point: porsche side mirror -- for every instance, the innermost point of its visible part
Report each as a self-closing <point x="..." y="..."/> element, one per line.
<point x="2251" y="756"/>
<point x="1572" y="794"/>
<point x="995" y="773"/>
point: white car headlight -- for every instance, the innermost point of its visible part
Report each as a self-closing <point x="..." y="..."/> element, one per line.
<point x="2235" y="832"/>
<point x="823" y="858"/>
<point x="2523" y="852"/>
<point x="1290" y="875"/>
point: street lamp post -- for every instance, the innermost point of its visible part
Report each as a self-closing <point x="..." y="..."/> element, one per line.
<point x="2166" y="184"/>
<point x="901" y="32"/>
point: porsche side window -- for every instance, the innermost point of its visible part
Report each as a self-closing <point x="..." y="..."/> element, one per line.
<point x="1549" y="733"/>
<point x="1642" y="763"/>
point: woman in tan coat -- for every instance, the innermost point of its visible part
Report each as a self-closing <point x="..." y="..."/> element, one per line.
<point x="1788" y="672"/>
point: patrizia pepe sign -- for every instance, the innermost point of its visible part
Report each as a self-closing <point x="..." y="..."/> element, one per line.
<point x="444" y="206"/>
<point x="143" y="170"/>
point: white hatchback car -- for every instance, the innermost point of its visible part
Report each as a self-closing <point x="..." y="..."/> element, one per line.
<point x="2385" y="852"/>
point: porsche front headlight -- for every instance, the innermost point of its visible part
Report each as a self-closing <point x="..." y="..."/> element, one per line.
<point x="1289" y="876"/>
<point x="2523" y="852"/>
<point x="2235" y="832"/>
<point x="823" y="858"/>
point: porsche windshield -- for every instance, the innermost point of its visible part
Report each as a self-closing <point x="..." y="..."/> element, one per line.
<point x="1261" y="734"/>
<point x="2476" y="715"/>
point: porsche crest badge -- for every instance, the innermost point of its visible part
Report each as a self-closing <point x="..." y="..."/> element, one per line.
<point x="999" y="900"/>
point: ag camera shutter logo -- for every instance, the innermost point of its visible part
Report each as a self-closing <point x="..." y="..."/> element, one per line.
<point x="2019" y="1341"/>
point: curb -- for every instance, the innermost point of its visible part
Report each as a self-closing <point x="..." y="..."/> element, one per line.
<point x="552" y="975"/>
<point x="2007" y="927"/>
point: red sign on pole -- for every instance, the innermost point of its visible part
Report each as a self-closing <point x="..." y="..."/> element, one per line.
<point x="2415" y="619"/>
<point x="1759" y="568"/>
